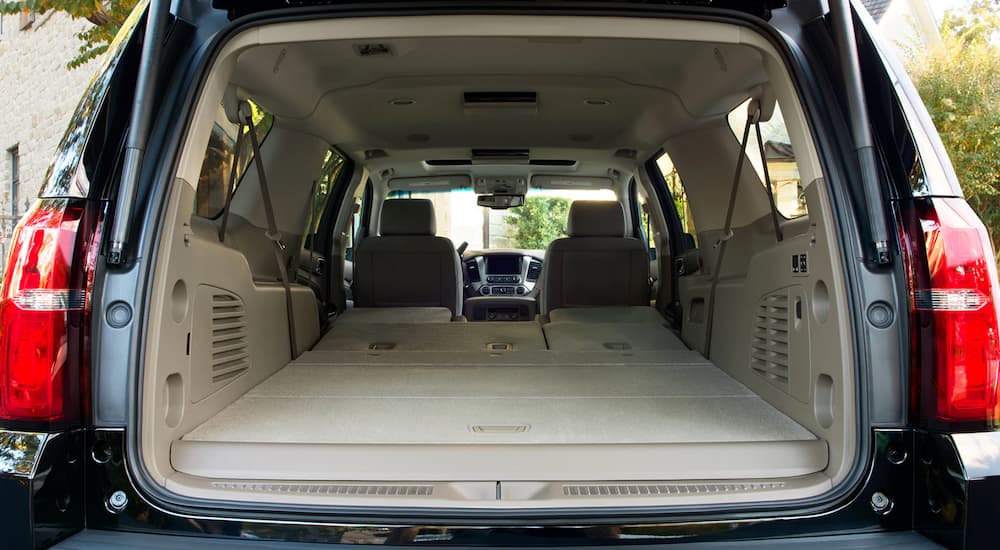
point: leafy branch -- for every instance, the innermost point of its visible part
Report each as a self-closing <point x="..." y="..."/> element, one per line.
<point x="105" y="17"/>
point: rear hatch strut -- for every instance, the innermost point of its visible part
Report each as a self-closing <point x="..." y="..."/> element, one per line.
<point x="843" y="29"/>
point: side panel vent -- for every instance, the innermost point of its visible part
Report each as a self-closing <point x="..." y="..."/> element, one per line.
<point x="230" y="357"/>
<point x="769" y="351"/>
<point x="323" y="489"/>
<point x="667" y="489"/>
<point x="219" y="341"/>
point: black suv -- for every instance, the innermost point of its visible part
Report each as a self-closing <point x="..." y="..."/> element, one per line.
<point x="496" y="274"/>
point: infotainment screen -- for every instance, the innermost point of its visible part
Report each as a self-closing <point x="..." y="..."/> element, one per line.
<point x="503" y="265"/>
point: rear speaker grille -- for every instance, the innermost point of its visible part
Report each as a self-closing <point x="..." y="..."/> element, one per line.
<point x="230" y="357"/>
<point x="323" y="489"/>
<point x="769" y="350"/>
<point x="666" y="489"/>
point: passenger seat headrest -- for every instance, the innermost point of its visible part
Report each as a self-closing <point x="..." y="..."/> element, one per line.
<point x="407" y="217"/>
<point x="596" y="219"/>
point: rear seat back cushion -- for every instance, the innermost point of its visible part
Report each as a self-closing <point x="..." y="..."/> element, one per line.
<point x="407" y="265"/>
<point x="597" y="265"/>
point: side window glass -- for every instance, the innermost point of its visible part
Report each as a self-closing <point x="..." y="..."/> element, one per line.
<point x="676" y="188"/>
<point x="333" y="165"/>
<point x="210" y="197"/>
<point x="645" y="223"/>
<point x="781" y="164"/>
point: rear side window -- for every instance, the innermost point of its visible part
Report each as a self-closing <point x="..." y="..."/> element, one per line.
<point x="211" y="195"/>
<point x="333" y="165"/>
<point x="781" y="164"/>
<point x="679" y="196"/>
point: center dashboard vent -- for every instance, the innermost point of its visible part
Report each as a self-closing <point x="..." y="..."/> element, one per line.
<point x="534" y="270"/>
<point x="472" y="271"/>
<point x="769" y="349"/>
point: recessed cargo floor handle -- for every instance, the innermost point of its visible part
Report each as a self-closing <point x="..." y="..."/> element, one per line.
<point x="499" y="428"/>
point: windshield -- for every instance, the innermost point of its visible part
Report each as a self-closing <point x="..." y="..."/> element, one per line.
<point x="533" y="226"/>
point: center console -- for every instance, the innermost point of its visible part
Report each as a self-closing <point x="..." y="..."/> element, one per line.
<point x="500" y="287"/>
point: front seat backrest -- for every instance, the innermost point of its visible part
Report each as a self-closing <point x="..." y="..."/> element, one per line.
<point x="407" y="265"/>
<point x="597" y="265"/>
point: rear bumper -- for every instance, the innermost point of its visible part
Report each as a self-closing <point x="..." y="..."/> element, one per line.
<point x="944" y="487"/>
<point x="110" y="540"/>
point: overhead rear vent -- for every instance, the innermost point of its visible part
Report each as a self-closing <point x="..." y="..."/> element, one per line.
<point x="219" y="341"/>
<point x="552" y="162"/>
<point x="519" y="156"/>
<point x="448" y="162"/>
<point x="769" y="350"/>
<point x="325" y="489"/>
<point x="666" y="489"/>
<point x="500" y="99"/>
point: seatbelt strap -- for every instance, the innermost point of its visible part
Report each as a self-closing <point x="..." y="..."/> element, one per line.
<point x="753" y="116"/>
<point x="306" y="232"/>
<point x="770" y="187"/>
<point x="272" y="229"/>
<point x="231" y="185"/>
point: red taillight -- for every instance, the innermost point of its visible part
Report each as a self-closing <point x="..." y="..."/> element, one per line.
<point x="43" y="313"/>
<point x="954" y="297"/>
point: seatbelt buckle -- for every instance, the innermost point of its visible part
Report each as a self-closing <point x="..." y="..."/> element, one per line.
<point x="276" y="237"/>
<point x="723" y="238"/>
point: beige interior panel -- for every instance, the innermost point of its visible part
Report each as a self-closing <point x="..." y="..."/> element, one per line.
<point x="503" y="495"/>
<point x="500" y="337"/>
<point x="209" y="313"/>
<point x="499" y="462"/>
<point x="780" y="331"/>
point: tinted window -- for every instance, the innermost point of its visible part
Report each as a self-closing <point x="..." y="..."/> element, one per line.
<point x="781" y="164"/>
<point x="210" y="198"/>
<point x="679" y="196"/>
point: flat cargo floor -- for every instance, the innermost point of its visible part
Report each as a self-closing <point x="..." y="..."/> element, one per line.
<point x="506" y="416"/>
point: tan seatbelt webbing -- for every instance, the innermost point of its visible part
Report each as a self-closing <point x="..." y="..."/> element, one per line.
<point x="306" y="233"/>
<point x="272" y="230"/>
<point x="770" y="186"/>
<point x="231" y="185"/>
<point x="753" y="115"/>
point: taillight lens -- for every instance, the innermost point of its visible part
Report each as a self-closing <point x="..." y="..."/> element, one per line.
<point x="954" y="297"/>
<point x="43" y="313"/>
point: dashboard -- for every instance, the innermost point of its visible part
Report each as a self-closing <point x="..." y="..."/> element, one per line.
<point x="501" y="273"/>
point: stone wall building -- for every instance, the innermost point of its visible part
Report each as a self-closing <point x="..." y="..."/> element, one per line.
<point x="39" y="96"/>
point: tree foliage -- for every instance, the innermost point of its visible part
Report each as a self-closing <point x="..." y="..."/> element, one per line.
<point x="106" y="17"/>
<point x="540" y="221"/>
<point x="959" y="81"/>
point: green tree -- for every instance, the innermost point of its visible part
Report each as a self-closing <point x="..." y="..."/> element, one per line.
<point x="959" y="81"/>
<point x="540" y="221"/>
<point x="106" y="17"/>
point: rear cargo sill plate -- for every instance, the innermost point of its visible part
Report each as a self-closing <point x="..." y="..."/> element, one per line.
<point x="667" y="489"/>
<point x="329" y="489"/>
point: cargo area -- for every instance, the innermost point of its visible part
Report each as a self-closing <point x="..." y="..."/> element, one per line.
<point x="498" y="262"/>
<point x="521" y="415"/>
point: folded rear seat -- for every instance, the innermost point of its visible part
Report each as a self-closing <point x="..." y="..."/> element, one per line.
<point x="437" y="336"/>
<point x="396" y="315"/>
